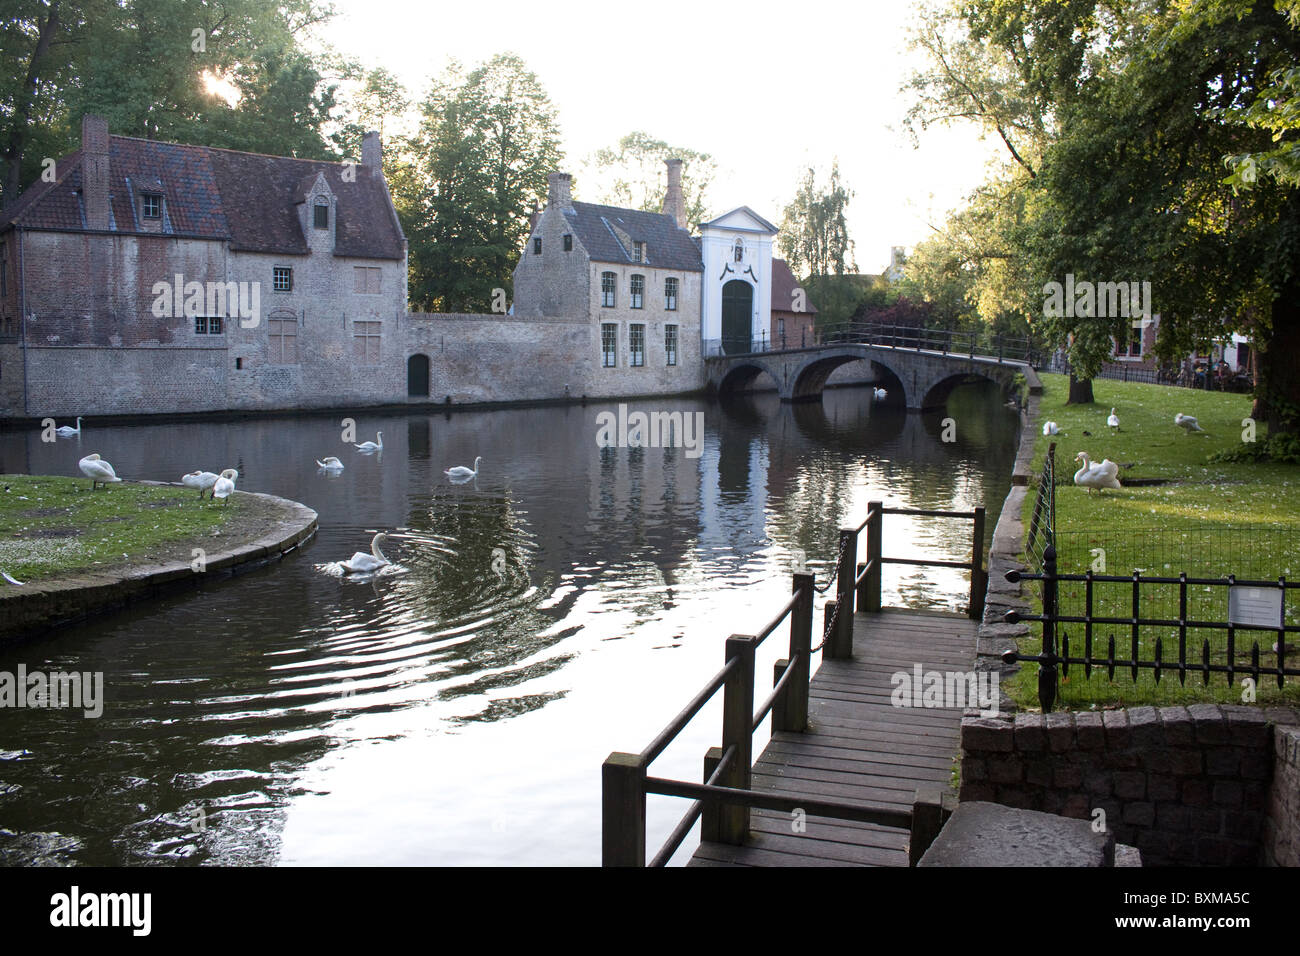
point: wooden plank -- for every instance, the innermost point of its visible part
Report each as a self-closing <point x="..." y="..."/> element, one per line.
<point x="859" y="749"/>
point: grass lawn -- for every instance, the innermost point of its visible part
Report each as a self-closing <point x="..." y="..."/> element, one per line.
<point x="1209" y="519"/>
<point x="50" y="526"/>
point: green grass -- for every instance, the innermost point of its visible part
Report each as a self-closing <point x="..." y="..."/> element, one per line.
<point x="50" y="526"/>
<point x="1209" y="519"/>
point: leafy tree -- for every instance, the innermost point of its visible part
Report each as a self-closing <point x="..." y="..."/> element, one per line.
<point x="635" y="176"/>
<point x="814" y="235"/>
<point x="487" y="141"/>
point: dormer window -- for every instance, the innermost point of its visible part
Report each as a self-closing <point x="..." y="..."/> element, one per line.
<point x="322" y="210"/>
<point x="537" y="245"/>
<point x="151" y="206"/>
<point x="740" y="251"/>
<point x="638" y="252"/>
<point x="568" y="243"/>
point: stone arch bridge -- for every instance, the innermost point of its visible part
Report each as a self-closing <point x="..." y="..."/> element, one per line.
<point x="925" y="377"/>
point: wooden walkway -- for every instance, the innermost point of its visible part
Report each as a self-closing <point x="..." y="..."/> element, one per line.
<point x="859" y="748"/>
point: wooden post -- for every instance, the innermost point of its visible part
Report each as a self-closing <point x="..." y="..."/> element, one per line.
<point x="931" y="808"/>
<point x="710" y="819"/>
<point x="844" y="593"/>
<point x="779" y="714"/>
<point x="828" y="645"/>
<point x="622" y="838"/>
<point x="860" y="597"/>
<point x="979" y="579"/>
<point x="801" y="621"/>
<point x="737" y="733"/>
<point x="874" y="550"/>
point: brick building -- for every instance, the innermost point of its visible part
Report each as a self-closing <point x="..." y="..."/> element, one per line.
<point x="152" y="277"/>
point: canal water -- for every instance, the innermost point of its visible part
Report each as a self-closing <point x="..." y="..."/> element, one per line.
<point x="458" y="713"/>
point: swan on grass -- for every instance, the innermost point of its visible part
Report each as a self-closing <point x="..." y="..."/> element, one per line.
<point x="202" y="481"/>
<point x="67" y="431"/>
<point x="372" y="446"/>
<point x="1189" y="423"/>
<point x="461" y="473"/>
<point x="97" y="470"/>
<point x="330" y="464"/>
<point x="1096" y="475"/>
<point x="225" y="485"/>
<point x="1051" y="428"/>
<point x="1113" y="420"/>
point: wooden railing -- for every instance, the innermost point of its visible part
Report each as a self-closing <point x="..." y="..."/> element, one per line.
<point x="722" y="803"/>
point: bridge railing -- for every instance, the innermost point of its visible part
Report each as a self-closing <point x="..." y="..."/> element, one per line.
<point x="722" y="803"/>
<point x="1004" y="348"/>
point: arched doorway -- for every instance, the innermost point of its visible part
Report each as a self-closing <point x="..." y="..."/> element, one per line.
<point x="737" y="317"/>
<point x="417" y="376"/>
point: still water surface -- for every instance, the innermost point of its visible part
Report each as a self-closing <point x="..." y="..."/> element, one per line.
<point x="455" y="714"/>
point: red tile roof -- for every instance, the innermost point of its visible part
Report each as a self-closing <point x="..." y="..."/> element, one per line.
<point x="783" y="285"/>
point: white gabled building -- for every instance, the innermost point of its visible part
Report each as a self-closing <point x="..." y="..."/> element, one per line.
<point x="737" y="295"/>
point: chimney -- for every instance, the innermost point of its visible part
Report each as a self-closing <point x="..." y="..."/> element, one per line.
<point x="534" y="217"/>
<point x="560" y="192"/>
<point x="372" y="153"/>
<point x="94" y="170"/>
<point x="674" y="203"/>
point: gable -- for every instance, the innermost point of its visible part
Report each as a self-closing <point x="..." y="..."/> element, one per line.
<point x="742" y="219"/>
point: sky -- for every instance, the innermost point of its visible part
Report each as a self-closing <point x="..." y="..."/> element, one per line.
<point x="768" y="89"/>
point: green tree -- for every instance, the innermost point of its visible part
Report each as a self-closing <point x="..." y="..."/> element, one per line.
<point x="814" y="235"/>
<point x="487" y="141"/>
<point x="634" y="176"/>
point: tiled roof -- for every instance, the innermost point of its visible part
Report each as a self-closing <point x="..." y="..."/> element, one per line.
<point x="783" y="285"/>
<point x="247" y="198"/>
<point x="667" y="246"/>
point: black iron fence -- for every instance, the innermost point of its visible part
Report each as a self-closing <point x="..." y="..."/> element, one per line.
<point x="1147" y="628"/>
<point x="1003" y="348"/>
<point x="1042" y="522"/>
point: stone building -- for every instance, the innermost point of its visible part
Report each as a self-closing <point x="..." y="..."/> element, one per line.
<point x="152" y="277"/>
<point x="631" y="278"/>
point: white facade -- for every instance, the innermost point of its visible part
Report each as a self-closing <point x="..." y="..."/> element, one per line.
<point x="736" y="247"/>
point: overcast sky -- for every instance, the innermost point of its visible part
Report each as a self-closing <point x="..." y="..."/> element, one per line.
<point x="766" y="88"/>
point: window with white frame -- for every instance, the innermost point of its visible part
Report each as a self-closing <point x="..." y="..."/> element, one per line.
<point x="282" y="279"/>
<point x="670" y="344"/>
<point x="608" y="285"/>
<point x="638" y="292"/>
<point x="609" y="345"/>
<point x="636" y="345"/>
<point x="670" y="294"/>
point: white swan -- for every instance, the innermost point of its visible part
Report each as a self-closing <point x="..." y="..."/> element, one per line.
<point x="369" y="446"/>
<point x="1103" y="474"/>
<point x="879" y="394"/>
<point x="362" y="563"/>
<point x="200" y="480"/>
<point x="1189" y="423"/>
<point x="97" y="470"/>
<point x="1113" y="420"/>
<point x="67" y="431"/>
<point x="461" y="473"/>
<point x="330" y="464"/>
<point x="225" y="485"/>
<point x="1050" y="428"/>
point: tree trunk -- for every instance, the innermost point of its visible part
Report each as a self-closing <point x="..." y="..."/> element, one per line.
<point x="17" y="138"/>
<point x="1080" y="391"/>
<point x="1279" y="366"/>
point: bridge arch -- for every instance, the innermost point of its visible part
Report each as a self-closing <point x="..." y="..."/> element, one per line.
<point x="937" y="392"/>
<point x="741" y="375"/>
<point x="810" y="380"/>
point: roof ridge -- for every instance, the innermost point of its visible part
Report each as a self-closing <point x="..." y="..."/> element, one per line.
<point x="241" y="152"/>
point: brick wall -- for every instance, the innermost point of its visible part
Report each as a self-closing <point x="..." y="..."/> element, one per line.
<point x="1185" y="785"/>
<point x="1282" y="824"/>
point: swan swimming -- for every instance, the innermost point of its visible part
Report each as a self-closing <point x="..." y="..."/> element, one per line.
<point x="363" y="563"/>
<point x="1189" y="423"/>
<point x="97" y="470"/>
<point x="202" y="480"/>
<point x="330" y="464"/>
<point x="1098" y="475"/>
<point x="879" y="394"/>
<point x="461" y="473"/>
<point x="370" y="446"/>
<point x="225" y="485"/>
<point x="67" y="431"/>
<point x="1113" y="420"/>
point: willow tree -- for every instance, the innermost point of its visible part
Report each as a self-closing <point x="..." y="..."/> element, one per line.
<point x="814" y="234"/>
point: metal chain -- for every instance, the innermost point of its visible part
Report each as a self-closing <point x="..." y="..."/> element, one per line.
<point x="830" y="627"/>
<point x="838" y="558"/>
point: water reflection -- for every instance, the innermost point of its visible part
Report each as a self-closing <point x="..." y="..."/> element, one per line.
<point x="457" y="713"/>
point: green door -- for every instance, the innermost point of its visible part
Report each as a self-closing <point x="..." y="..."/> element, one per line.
<point x="737" y="317"/>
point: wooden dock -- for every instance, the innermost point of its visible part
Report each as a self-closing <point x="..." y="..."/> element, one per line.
<point x="859" y="748"/>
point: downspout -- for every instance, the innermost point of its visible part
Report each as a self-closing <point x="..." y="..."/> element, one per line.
<point x="22" y="310"/>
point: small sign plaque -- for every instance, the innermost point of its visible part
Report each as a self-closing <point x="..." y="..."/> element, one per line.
<point x="1254" y="607"/>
